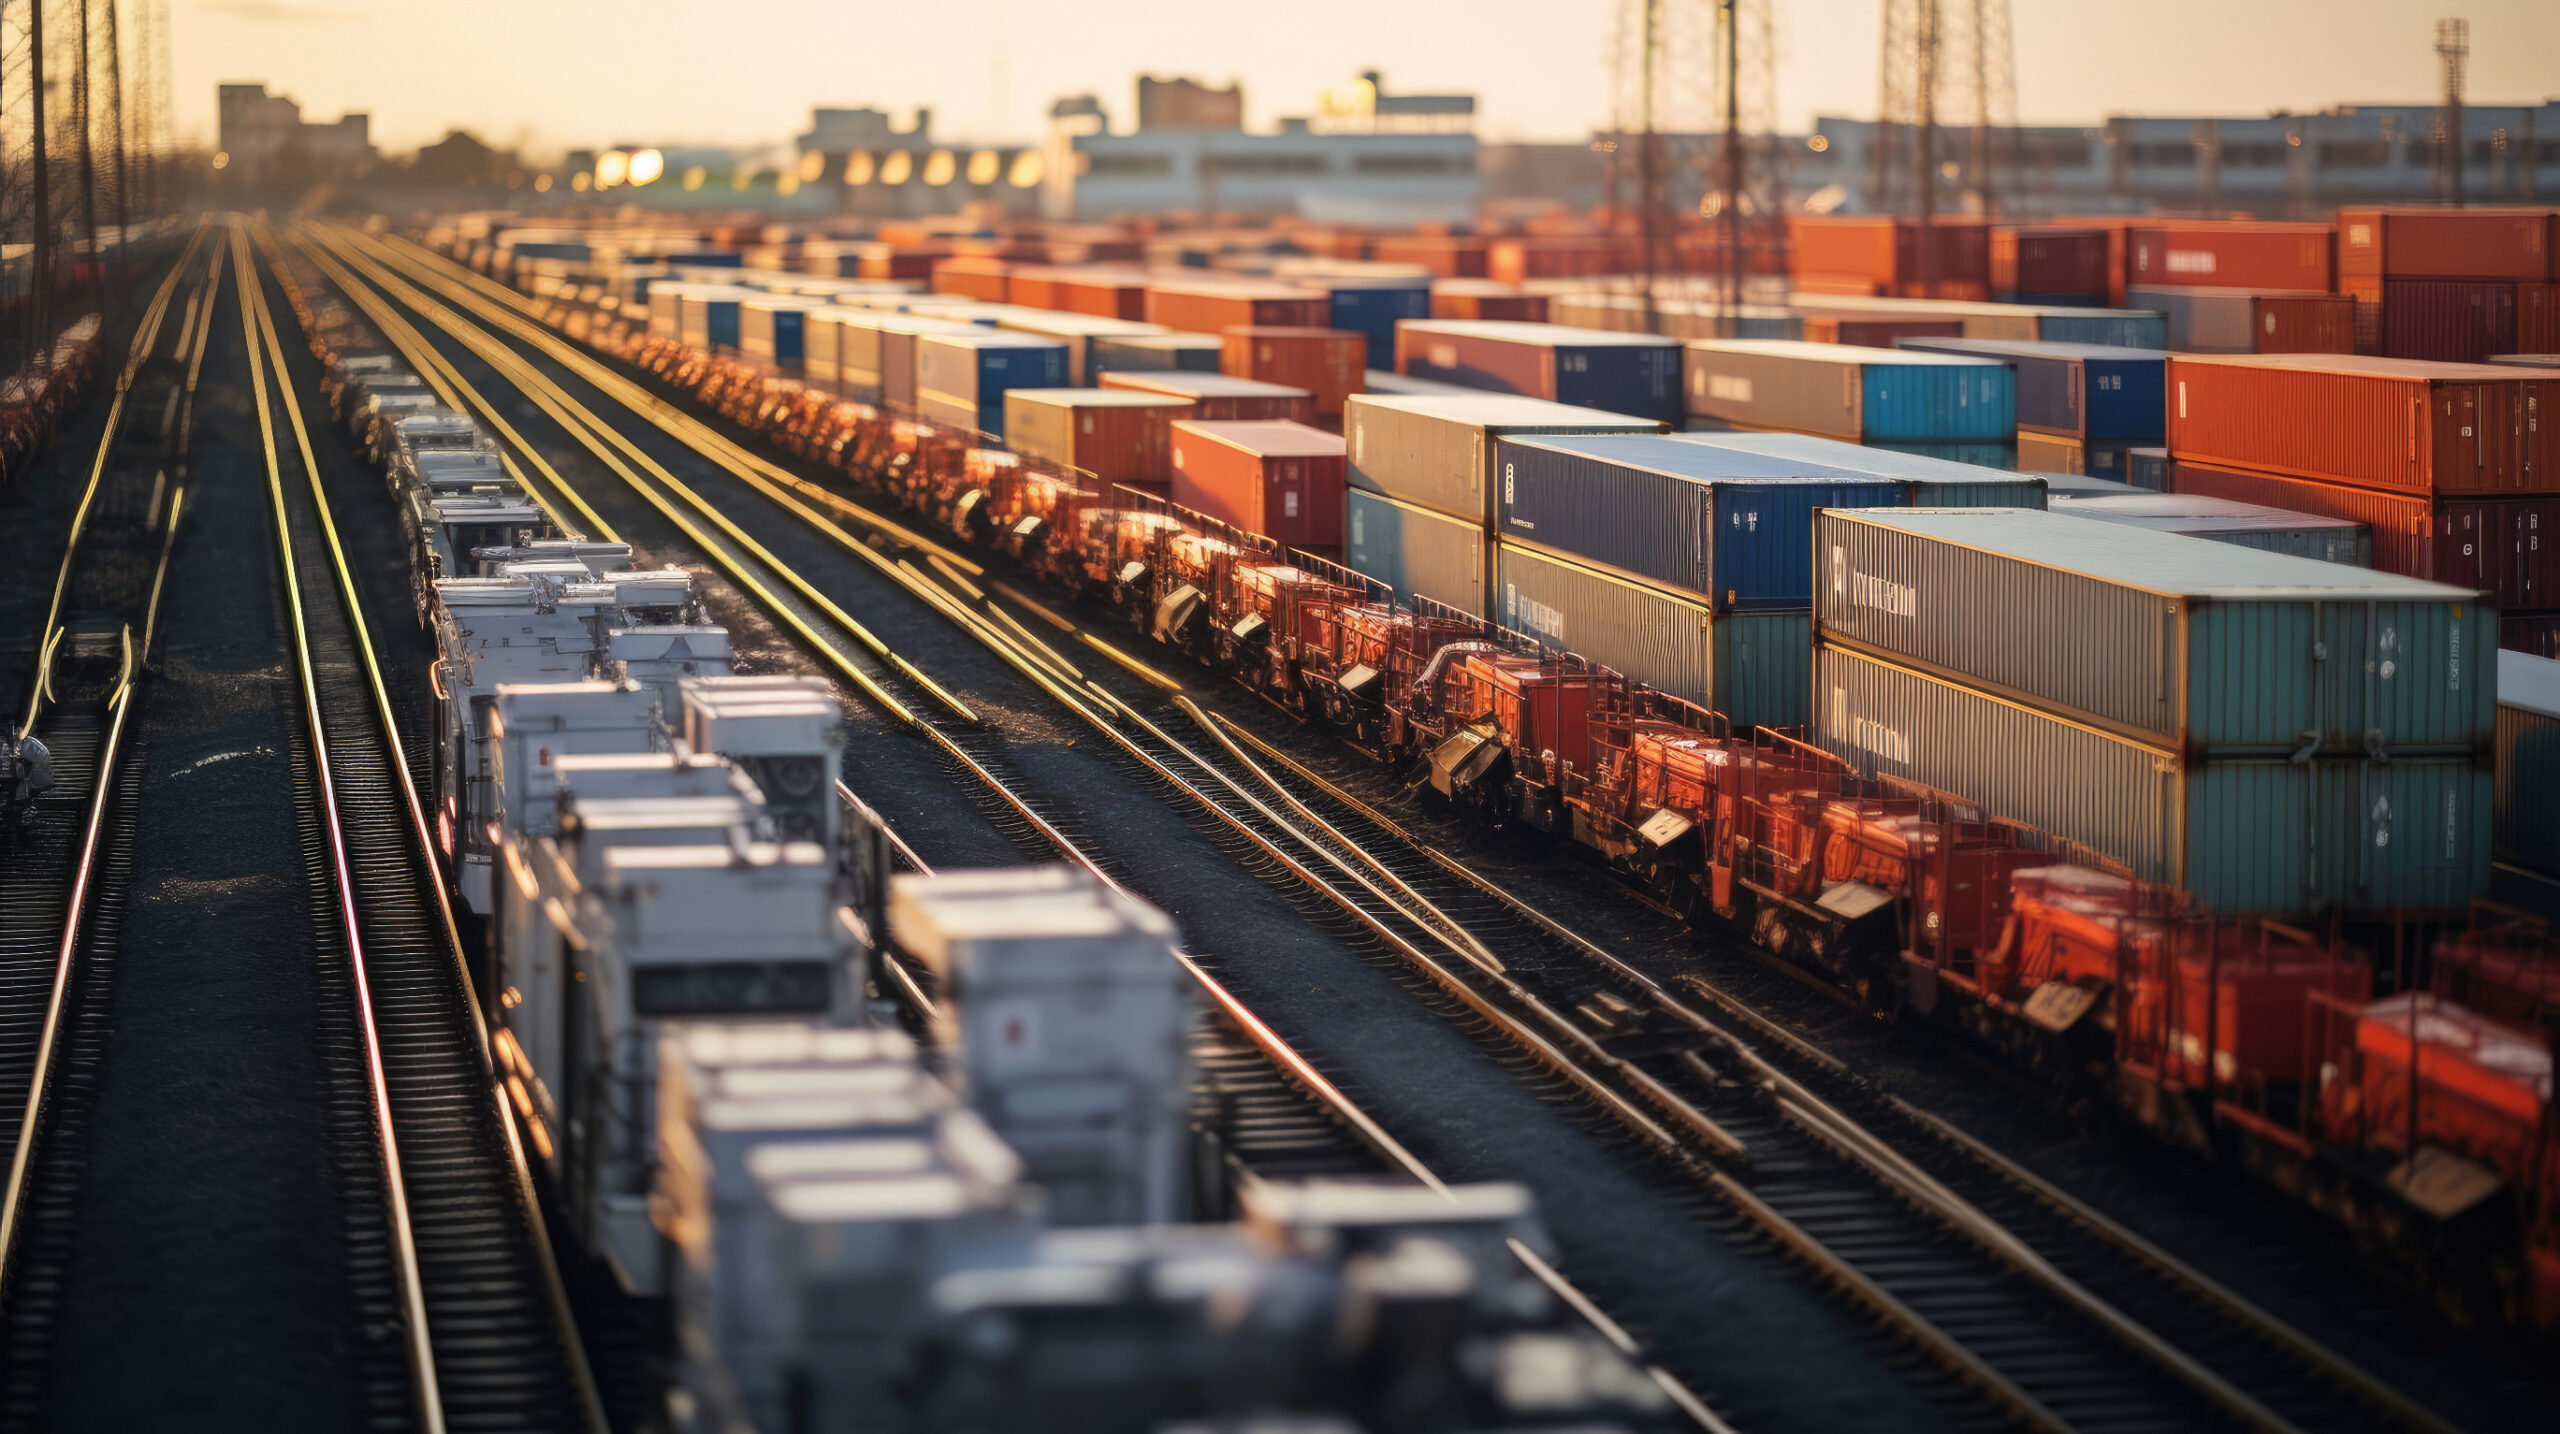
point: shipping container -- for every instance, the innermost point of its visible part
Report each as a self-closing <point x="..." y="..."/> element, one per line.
<point x="2097" y="393"/>
<point x="2448" y="320"/>
<point x="1943" y="259"/>
<point x="2536" y="634"/>
<point x="1414" y="551"/>
<point x="1379" y="381"/>
<point x="2230" y="254"/>
<point x="1117" y="435"/>
<point x="1218" y="398"/>
<point x="2040" y="265"/>
<point x="2248" y="321"/>
<point x="2147" y="467"/>
<point x="2003" y="456"/>
<point x="2051" y="323"/>
<point x="1152" y="353"/>
<point x="1935" y="482"/>
<point x="1751" y="666"/>
<point x="1545" y="256"/>
<point x="1327" y="363"/>
<point x="1858" y="395"/>
<point x="961" y="378"/>
<point x="2044" y="453"/>
<point x="1367" y="299"/>
<point x="1479" y="299"/>
<point x="1437" y="451"/>
<point x="1455" y="256"/>
<point x="972" y="277"/>
<point x="1728" y="528"/>
<point x="2446" y="243"/>
<point x="2197" y="646"/>
<point x="2502" y="546"/>
<point x="1206" y="306"/>
<point x="1077" y="332"/>
<point x="1100" y="291"/>
<point x="772" y="330"/>
<point x="708" y="314"/>
<point x="821" y="345"/>
<point x="1635" y="374"/>
<point x="2537" y="318"/>
<point x="2224" y="520"/>
<point x="2245" y="835"/>
<point x="1282" y="480"/>
<point x="1876" y="333"/>
<point x="2403" y="424"/>
<point x="876" y="354"/>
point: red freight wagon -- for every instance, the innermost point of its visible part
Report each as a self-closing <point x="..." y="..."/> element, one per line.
<point x="1217" y="397"/>
<point x="1325" y="362"/>
<point x="2500" y="545"/>
<point x="2436" y="428"/>
<point x="1282" y="480"/>
<point x="1485" y="299"/>
<point x="1104" y="292"/>
<point x="978" y="278"/>
<point x="2447" y="243"/>
<point x="1207" y="307"/>
<point x="1900" y="258"/>
<point x="1452" y="256"/>
<point x="2230" y="254"/>
<point x="1862" y="331"/>
<point x="2049" y="266"/>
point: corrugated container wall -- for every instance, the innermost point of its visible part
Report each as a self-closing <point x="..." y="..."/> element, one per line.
<point x="2529" y="761"/>
<point x="1372" y="310"/>
<point x="2448" y="320"/>
<point x="1282" y="480"/>
<point x="2502" y="546"/>
<point x="1118" y="437"/>
<point x="2191" y="646"/>
<point x="1876" y="333"/>
<point x="2246" y="836"/>
<point x="1752" y="667"/>
<point x="1205" y="308"/>
<point x="1220" y="397"/>
<point x="1635" y="374"/>
<point x="1437" y="451"/>
<point x="1414" y="551"/>
<point x="2230" y="254"/>
<point x="2244" y="321"/>
<point x="2446" y="244"/>
<point x="1327" y="363"/>
<point x="2097" y="393"/>
<point x="1731" y="530"/>
<point x="2385" y="423"/>
<point x="1858" y="395"/>
<point x="1935" y="482"/>
<point x="2048" y="266"/>
<point x="962" y="378"/>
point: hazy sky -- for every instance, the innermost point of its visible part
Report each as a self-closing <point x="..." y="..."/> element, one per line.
<point x="554" y="73"/>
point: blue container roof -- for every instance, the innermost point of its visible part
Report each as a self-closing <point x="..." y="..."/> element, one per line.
<point x="1856" y="458"/>
<point x="1675" y="457"/>
<point x="2034" y="348"/>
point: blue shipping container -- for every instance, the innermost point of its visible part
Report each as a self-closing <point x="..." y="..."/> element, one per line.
<point x="2093" y="392"/>
<point x="1634" y="374"/>
<point x="1935" y="482"/>
<point x="1863" y="395"/>
<point x="1731" y="529"/>
<point x="1373" y="306"/>
<point x="1754" y="667"/>
<point x="962" y="378"/>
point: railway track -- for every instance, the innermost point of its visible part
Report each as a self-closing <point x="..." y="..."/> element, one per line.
<point x="487" y="1336"/>
<point x="2056" y="1315"/>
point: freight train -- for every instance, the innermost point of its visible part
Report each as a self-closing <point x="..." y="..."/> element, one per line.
<point x="684" y="928"/>
<point x="2280" y="1046"/>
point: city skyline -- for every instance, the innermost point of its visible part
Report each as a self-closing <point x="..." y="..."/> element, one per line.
<point x="1539" y="69"/>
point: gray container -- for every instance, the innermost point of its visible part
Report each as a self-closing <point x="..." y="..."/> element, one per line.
<point x="1415" y="551"/>
<point x="1935" y="482"/>
<point x="2202" y="649"/>
<point x="2225" y="520"/>
<point x="2246" y="835"/>
<point x="2528" y="803"/>
<point x="1861" y="395"/>
<point x="1437" y="452"/>
<point x="1751" y="666"/>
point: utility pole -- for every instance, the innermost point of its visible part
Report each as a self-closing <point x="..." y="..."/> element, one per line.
<point x="1649" y="169"/>
<point x="88" y="165"/>
<point x="1729" y="320"/>
<point x="40" y="272"/>
<point x="124" y="182"/>
<point x="2453" y="55"/>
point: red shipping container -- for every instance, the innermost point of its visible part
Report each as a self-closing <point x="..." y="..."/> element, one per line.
<point x="975" y="277"/>
<point x="1216" y="397"/>
<point x="887" y="261"/>
<point x="1876" y="333"/>
<point x="2534" y="632"/>
<point x="1325" y="362"/>
<point x="2446" y="243"/>
<point x="1114" y="434"/>
<point x="1282" y="480"/>
<point x="2497" y="545"/>
<point x="1452" y="256"/>
<point x="2402" y="424"/>
<point x="2537" y="319"/>
<point x="1485" y="299"/>
<point x="1513" y="261"/>
<point x="2366" y="292"/>
<point x="2448" y="320"/>
<point x="2243" y="321"/>
<point x="2230" y="254"/>
<point x="2049" y="265"/>
<point x="1947" y="259"/>
<point x="1206" y="307"/>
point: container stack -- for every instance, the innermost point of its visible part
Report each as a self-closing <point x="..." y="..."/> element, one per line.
<point x="2240" y="286"/>
<point x="2082" y="408"/>
<point x="1949" y="406"/>
<point x="2049" y="264"/>
<point x="2275" y="735"/>
<point x="2454" y="466"/>
<point x="1117" y="435"/>
<point x="2136" y="327"/>
<point x="1636" y="374"/>
<point x="1894" y="258"/>
<point x="2453" y="285"/>
<point x="1281" y="480"/>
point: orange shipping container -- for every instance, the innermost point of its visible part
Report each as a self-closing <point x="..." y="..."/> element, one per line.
<point x="1103" y="292"/>
<point x="1513" y="261"/>
<point x="2399" y="424"/>
<point x="1325" y="362"/>
<point x="1217" y="396"/>
<point x="1452" y="256"/>
<point x="1486" y="299"/>
<point x="1117" y="435"/>
<point x="974" y="277"/>
<point x="2230" y="254"/>
<point x="1900" y="258"/>
<point x="1208" y="307"/>
<point x="1282" y="480"/>
<point x="2447" y="243"/>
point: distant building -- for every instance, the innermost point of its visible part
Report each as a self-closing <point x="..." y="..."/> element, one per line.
<point x="855" y="161"/>
<point x="1365" y="156"/>
<point x="263" y="136"/>
<point x="834" y="131"/>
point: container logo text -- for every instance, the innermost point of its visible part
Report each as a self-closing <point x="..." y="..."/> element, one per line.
<point x="1865" y="734"/>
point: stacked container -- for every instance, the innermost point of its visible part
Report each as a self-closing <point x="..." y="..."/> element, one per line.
<point x="1480" y="299"/>
<point x="2253" y="321"/>
<point x="1876" y="333"/>
<point x="1117" y="435"/>
<point x="1206" y="306"/>
<point x="2455" y="285"/>
<point x="962" y="378"/>
<point x="2230" y="254"/>
<point x="1858" y="395"/>
<point x="1098" y="290"/>
<point x="2223" y="520"/>
<point x="1217" y="396"/>
<point x="2080" y="406"/>
<point x="1327" y="363"/>
<point x="1864" y="254"/>
<point x="1077" y="331"/>
<point x="1282" y="480"/>
<point x="1933" y="482"/>
<point x="1152" y="353"/>
<point x="876" y="353"/>
<point x="2049" y="265"/>
<point x="1636" y="374"/>
<point x="1367" y="299"/>
<point x="2135" y="327"/>
<point x="2275" y="735"/>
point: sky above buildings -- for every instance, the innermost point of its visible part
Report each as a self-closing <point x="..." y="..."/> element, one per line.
<point x="555" y="73"/>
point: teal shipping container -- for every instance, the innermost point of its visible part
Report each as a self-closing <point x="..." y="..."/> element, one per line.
<point x="1751" y="666"/>
<point x="2354" y="836"/>
<point x="2200" y="647"/>
<point x="1414" y="551"/>
<point x="1860" y="395"/>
